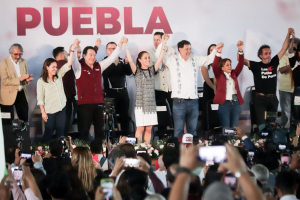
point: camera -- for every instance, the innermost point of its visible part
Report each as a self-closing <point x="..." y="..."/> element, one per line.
<point x="109" y="106"/>
<point x="19" y="125"/>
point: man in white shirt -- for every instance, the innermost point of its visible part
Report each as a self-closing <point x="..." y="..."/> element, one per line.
<point x="163" y="87"/>
<point x="184" y="71"/>
<point x="286" y="185"/>
<point x="14" y="78"/>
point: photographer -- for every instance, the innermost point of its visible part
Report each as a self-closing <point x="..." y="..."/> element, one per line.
<point x="54" y="159"/>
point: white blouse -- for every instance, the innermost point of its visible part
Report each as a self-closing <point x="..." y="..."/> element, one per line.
<point x="52" y="95"/>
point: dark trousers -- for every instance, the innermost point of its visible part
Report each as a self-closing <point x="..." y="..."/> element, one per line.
<point x="121" y="105"/>
<point x="263" y="104"/>
<point x="56" y="121"/>
<point x="88" y="114"/>
<point x="208" y="94"/>
<point x="21" y="106"/>
<point x="71" y="103"/>
<point x="161" y="95"/>
<point x="296" y="108"/>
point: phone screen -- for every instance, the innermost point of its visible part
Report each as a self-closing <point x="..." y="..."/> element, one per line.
<point x="131" y="140"/>
<point x="131" y="162"/>
<point x="141" y="151"/>
<point x="229" y="131"/>
<point x="170" y="145"/>
<point x="26" y="155"/>
<point x="264" y="134"/>
<point x="107" y="187"/>
<point x="18" y="173"/>
<point x="231" y="181"/>
<point x="285" y="161"/>
<point x="282" y="147"/>
<point x="212" y="153"/>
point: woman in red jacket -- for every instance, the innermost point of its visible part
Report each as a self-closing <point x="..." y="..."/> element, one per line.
<point x="228" y="94"/>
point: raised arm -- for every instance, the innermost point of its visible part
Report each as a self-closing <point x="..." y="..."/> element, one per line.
<point x="246" y="62"/>
<point x="129" y="58"/>
<point x="115" y="54"/>
<point x="215" y="64"/>
<point x="162" y="52"/>
<point x="240" y="65"/>
<point x="285" y="44"/>
<point x="76" y="66"/>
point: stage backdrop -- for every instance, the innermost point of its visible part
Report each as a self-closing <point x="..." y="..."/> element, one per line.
<point x="39" y="26"/>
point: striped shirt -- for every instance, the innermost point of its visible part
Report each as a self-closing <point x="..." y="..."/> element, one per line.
<point x="52" y="95"/>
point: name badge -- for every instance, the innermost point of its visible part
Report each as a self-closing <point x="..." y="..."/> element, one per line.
<point x="5" y="115"/>
<point x="97" y="69"/>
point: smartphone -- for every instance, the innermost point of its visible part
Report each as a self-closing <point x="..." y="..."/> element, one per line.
<point x="264" y="134"/>
<point x="95" y="158"/>
<point x="251" y="155"/>
<point x="107" y="187"/>
<point x="131" y="162"/>
<point x="131" y="140"/>
<point x="285" y="162"/>
<point x="170" y="145"/>
<point x="231" y="181"/>
<point x="282" y="147"/>
<point x="18" y="173"/>
<point x="229" y="131"/>
<point x="141" y="151"/>
<point x="217" y="154"/>
<point x="26" y="155"/>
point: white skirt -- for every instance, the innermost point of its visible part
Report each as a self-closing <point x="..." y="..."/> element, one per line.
<point x="142" y="119"/>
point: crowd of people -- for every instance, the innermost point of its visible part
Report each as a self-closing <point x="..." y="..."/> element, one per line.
<point x="129" y="174"/>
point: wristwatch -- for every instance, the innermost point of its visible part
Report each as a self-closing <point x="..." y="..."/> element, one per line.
<point x="183" y="169"/>
<point x="239" y="173"/>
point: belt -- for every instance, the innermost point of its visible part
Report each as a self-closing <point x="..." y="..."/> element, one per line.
<point x="264" y="95"/>
<point x="118" y="89"/>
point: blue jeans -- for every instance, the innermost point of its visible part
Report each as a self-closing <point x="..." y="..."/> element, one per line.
<point x="285" y="100"/>
<point x="229" y="113"/>
<point x="185" y="111"/>
<point x="56" y="121"/>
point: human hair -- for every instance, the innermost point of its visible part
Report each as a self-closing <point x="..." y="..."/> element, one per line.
<point x="96" y="146"/>
<point x="128" y="150"/>
<point x="37" y="174"/>
<point x="140" y="55"/>
<point x="286" y="182"/>
<point x="57" y="51"/>
<point x="47" y="63"/>
<point x="114" y="155"/>
<point x="130" y="178"/>
<point x="170" y="176"/>
<point x="212" y="175"/>
<point x="10" y="154"/>
<point x="182" y="43"/>
<point x="159" y="33"/>
<point x="173" y="140"/>
<point x="82" y="161"/>
<point x="269" y="160"/>
<point x="56" y="147"/>
<point x="155" y="197"/>
<point x="297" y="41"/>
<point x="59" y="184"/>
<point x="261" y="172"/>
<point x="146" y="157"/>
<point x="85" y="50"/>
<point x="222" y="63"/>
<point x="137" y="192"/>
<point x="260" y="50"/>
<point x="110" y="43"/>
<point x="170" y="156"/>
<point x="11" y="49"/>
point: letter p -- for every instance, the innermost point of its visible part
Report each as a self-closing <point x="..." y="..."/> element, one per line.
<point x="22" y="24"/>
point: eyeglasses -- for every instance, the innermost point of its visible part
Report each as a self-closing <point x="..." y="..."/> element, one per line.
<point x="18" y="54"/>
<point x="111" y="49"/>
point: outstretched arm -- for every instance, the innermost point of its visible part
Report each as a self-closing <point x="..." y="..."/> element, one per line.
<point x="131" y="63"/>
<point x="162" y="52"/>
<point x="285" y="44"/>
<point x="240" y="65"/>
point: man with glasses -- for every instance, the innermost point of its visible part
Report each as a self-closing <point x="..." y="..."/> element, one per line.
<point x="114" y="81"/>
<point x="14" y="78"/>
